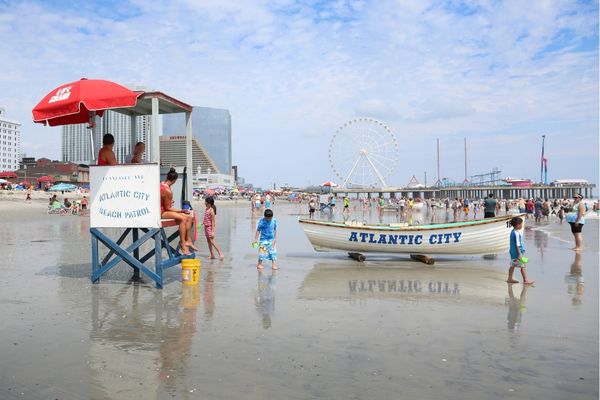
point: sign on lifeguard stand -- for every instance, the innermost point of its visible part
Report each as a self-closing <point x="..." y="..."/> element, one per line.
<point x="125" y="196"/>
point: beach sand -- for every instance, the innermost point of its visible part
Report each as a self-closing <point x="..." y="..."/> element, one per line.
<point x="324" y="326"/>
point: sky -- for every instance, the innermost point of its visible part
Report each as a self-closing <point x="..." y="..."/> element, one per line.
<point x="499" y="73"/>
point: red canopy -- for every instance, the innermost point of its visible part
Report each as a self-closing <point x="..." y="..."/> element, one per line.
<point x="8" y="174"/>
<point x="73" y="103"/>
<point x="46" y="178"/>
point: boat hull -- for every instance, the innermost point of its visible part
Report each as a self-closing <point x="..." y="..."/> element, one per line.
<point x="489" y="236"/>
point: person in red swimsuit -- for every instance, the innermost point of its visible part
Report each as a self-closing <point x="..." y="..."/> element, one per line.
<point x="181" y="217"/>
<point x="106" y="156"/>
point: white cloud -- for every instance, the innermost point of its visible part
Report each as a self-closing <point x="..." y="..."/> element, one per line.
<point x="291" y="72"/>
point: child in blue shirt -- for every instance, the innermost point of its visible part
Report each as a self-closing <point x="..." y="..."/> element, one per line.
<point x="266" y="231"/>
<point x="516" y="252"/>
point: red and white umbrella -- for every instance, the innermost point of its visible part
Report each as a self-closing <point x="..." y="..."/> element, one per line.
<point x="46" y="178"/>
<point x="76" y="102"/>
<point x="329" y="184"/>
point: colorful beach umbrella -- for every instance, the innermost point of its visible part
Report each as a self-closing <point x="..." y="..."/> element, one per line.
<point x="329" y="184"/>
<point x="67" y="187"/>
<point x="8" y="175"/>
<point x="76" y="102"/>
<point x="45" y="178"/>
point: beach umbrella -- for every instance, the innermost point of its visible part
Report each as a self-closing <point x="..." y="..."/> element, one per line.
<point x="2" y="181"/>
<point x="45" y="178"/>
<point x="67" y="187"/>
<point x="209" y="192"/>
<point x="8" y="175"/>
<point x="77" y="102"/>
<point x="329" y="184"/>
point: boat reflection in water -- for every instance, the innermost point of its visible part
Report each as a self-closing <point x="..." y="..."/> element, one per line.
<point x="447" y="283"/>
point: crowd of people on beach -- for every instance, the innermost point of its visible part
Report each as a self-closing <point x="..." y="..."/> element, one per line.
<point x="537" y="210"/>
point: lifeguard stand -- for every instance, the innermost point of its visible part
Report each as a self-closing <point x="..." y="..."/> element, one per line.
<point x="127" y="198"/>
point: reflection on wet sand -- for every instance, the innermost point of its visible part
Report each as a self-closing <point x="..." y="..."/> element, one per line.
<point x="575" y="280"/>
<point x="516" y="307"/>
<point x="209" y="295"/>
<point x="474" y="284"/>
<point x="140" y="341"/>
<point x="264" y="299"/>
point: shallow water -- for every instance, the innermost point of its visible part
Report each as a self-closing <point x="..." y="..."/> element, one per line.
<point x="324" y="326"/>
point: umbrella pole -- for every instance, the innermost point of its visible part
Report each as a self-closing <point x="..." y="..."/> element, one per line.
<point x="91" y="128"/>
<point x="92" y="144"/>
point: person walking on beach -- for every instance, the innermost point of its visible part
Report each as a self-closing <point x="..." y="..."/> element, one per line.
<point x="576" y="219"/>
<point x="537" y="207"/>
<point x="28" y="198"/>
<point x="210" y="226"/>
<point x="332" y="203"/>
<point x="106" y="155"/>
<point x="266" y="236"/>
<point x="312" y="205"/>
<point x="489" y="206"/>
<point x="466" y="208"/>
<point x="181" y="217"/>
<point x="521" y="205"/>
<point x="346" y="202"/>
<point x="516" y="252"/>
<point x="529" y="208"/>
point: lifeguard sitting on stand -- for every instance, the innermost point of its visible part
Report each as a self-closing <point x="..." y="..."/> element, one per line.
<point x="181" y="217"/>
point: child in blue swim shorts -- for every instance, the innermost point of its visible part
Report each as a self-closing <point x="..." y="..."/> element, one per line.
<point x="266" y="233"/>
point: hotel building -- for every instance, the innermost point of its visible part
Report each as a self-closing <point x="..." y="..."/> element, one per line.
<point x="76" y="138"/>
<point x="10" y="143"/>
<point x="211" y="128"/>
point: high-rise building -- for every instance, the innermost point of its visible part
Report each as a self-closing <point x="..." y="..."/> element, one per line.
<point x="211" y="127"/>
<point x="76" y="138"/>
<point x="10" y="143"/>
<point x="172" y="153"/>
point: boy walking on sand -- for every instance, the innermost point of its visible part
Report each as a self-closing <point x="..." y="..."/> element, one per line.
<point x="266" y="230"/>
<point x="516" y="252"/>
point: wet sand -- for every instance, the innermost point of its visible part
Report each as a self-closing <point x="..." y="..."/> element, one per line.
<point x="324" y="326"/>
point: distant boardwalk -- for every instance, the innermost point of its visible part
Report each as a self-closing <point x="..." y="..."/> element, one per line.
<point x="479" y="192"/>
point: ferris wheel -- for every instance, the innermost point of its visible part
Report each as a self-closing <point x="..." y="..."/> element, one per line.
<point x="363" y="153"/>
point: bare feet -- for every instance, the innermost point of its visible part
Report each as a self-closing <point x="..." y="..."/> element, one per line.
<point x="221" y="257"/>
<point x="274" y="267"/>
<point x="512" y="281"/>
<point x="212" y="257"/>
<point x="185" y="251"/>
<point x="191" y="246"/>
<point x="259" y="267"/>
<point x="529" y="283"/>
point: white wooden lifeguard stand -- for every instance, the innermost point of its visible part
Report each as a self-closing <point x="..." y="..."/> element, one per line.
<point x="127" y="197"/>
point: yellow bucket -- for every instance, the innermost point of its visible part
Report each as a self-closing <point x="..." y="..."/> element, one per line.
<point x="190" y="271"/>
